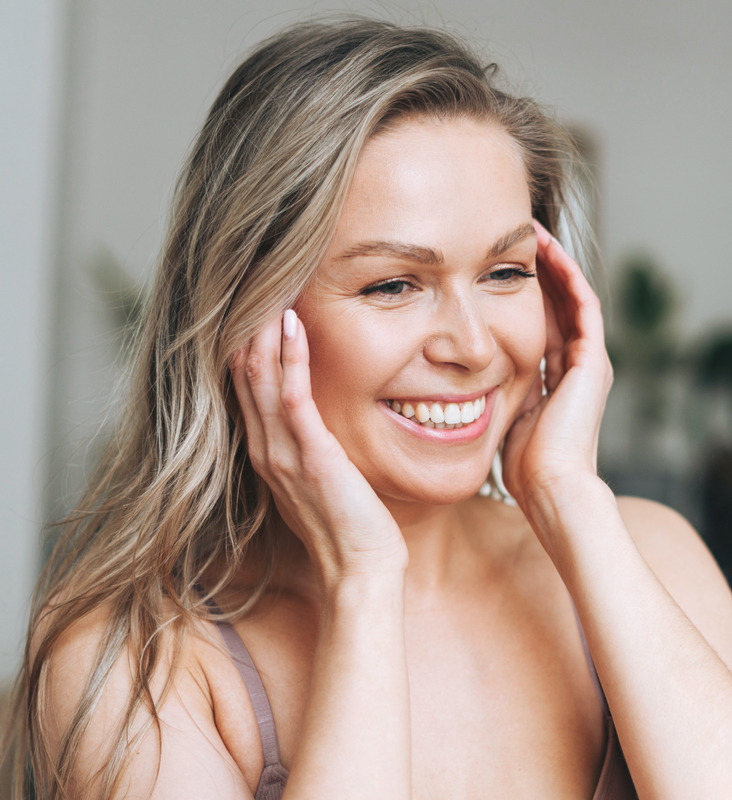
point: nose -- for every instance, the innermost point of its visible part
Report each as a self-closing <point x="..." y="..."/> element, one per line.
<point x="462" y="335"/>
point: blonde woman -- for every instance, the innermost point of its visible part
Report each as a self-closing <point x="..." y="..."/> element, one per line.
<point x="284" y="581"/>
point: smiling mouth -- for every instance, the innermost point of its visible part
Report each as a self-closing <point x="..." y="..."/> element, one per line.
<point x="440" y="415"/>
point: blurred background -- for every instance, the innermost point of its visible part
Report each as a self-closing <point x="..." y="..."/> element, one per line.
<point x="101" y="99"/>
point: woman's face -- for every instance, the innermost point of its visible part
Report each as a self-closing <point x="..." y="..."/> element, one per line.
<point x="427" y="298"/>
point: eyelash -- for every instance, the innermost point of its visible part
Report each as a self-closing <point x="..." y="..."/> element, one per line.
<point x="380" y="288"/>
<point x="513" y="273"/>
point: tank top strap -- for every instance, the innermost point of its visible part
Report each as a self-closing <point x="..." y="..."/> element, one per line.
<point x="253" y="681"/>
<point x="257" y="693"/>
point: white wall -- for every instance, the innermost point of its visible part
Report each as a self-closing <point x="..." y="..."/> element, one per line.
<point x="650" y="81"/>
<point x="30" y="35"/>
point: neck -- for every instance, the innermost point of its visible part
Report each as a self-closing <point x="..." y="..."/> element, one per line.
<point x="449" y="545"/>
<point x="439" y="540"/>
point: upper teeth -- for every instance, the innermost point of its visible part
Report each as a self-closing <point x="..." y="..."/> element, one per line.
<point x="440" y="415"/>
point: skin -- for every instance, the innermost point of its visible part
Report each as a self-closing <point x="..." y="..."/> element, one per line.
<point x="462" y="324"/>
<point x="421" y="641"/>
<point x="438" y="331"/>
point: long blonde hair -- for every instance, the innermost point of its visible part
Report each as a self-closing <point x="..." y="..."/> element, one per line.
<point x="256" y="204"/>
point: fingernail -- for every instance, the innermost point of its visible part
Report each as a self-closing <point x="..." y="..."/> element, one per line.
<point x="289" y="325"/>
<point x="556" y="241"/>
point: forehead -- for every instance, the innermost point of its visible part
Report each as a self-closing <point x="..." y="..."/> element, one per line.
<point x="439" y="183"/>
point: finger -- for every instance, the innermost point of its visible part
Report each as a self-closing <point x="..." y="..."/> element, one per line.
<point x="555" y="308"/>
<point x="553" y="282"/>
<point x="255" y="439"/>
<point x="256" y="376"/>
<point x="564" y="280"/>
<point x="574" y="320"/>
<point x="554" y="353"/>
<point x="237" y="367"/>
<point x="263" y="370"/>
<point x="296" y="396"/>
<point x="576" y="310"/>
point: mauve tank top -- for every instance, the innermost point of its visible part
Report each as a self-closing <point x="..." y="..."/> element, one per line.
<point x="614" y="784"/>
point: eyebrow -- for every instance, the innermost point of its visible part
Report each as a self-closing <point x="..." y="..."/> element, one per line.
<point x="426" y="255"/>
<point x="510" y="239"/>
<point x="409" y="252"/>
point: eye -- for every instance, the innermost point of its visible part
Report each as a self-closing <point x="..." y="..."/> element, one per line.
<point x="509" y="274"/>
<point x="387" y="288"/>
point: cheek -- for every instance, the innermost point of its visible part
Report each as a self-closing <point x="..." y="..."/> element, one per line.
<point x="328" y="365"/>
<point x="326" y="344"/>
<point x="525" y="343"/>
<point x="350" y="360"/>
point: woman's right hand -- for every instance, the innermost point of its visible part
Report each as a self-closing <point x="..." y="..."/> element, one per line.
<point x="319" y="492"/>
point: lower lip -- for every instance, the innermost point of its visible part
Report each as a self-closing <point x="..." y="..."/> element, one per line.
<point x="468" y="433"/>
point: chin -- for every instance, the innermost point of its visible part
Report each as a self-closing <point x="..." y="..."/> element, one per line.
<point x="444" y="493"/>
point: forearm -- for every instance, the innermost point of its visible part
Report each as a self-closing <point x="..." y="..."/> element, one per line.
<point x="355" y="738"/>
<point x="669" y="693"/>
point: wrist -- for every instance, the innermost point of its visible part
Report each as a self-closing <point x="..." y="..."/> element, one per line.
<point x="559" y="495"/>
<point x="346" y="573"/>
<point x="571" y="514"/>
<point x="364" y="594"/>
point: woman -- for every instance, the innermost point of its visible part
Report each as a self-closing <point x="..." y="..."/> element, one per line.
<point x="304" y="485"/>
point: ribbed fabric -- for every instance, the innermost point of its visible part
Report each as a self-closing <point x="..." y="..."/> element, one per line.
<point x="272" y="782"/>
<point x="614" y="783"/>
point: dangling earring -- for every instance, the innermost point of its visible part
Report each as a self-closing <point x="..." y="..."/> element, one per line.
<point x="494" y="486"/>
<point x="542" y="372"/>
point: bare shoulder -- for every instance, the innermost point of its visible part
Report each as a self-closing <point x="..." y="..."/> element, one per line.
<point x="683" y="563"/>
<point x="174" y="750"/>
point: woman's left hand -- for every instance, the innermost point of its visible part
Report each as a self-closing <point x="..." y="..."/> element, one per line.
<point x="554" y="439"/>
<point x="665" y="674"/>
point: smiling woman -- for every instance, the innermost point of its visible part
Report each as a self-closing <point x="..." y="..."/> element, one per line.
<point x="283" y="582"/>
<point x="428" y="304"/>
